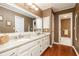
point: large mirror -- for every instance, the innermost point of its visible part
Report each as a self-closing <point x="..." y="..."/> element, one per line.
<point x="23" y="24"/>
<point x="28" y="25"/>
<point x="11" y="21"/>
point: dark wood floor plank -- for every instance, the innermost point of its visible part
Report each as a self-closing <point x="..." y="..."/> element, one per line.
<point x="59" y="50"/>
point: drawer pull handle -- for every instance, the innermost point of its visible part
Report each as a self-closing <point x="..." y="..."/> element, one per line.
<point x="12" y="54"/>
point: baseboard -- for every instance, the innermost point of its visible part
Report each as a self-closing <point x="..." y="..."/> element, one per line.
<point x="56" y="43"/>
<point x="61" y="44"/>
<point x="75" y="50"/>
<point x="50" y="46"/>
<point x="70" y="46"/>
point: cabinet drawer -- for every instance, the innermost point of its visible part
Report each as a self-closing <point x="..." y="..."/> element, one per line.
<point x="9" y="53"/>
<point x="26" y="53"/>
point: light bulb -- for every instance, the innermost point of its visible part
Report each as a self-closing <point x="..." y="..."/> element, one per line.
<point x="33" y="6"/>
<point x="36" y="9"/>
<point x="65" y="16"/>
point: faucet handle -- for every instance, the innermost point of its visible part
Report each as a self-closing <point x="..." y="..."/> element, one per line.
<point x="21" y="36"/>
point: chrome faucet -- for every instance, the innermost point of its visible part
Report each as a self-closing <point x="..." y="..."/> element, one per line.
<point x="20" y="36"/>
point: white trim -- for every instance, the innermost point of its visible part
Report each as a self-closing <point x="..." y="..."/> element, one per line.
<point x="61" y="44"/>
<point x="53" y="29"/>
<point x="75" y="50"/>
<point x="75" y="27"/>
<point x="60" y="26"/>
<point x="59" y="29"/>
<point x="70" y="46"/>
<point x="56" y="43"/>
<point x="50" y="46"/>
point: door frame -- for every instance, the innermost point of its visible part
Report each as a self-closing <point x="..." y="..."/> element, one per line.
<point x="71" y="20"/>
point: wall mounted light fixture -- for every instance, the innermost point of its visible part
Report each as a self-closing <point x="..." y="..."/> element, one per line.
<point x="32" y="6"/>
<point x="1" y="18"/>
<point x="8" y="23"/>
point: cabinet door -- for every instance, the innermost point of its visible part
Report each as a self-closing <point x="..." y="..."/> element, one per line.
<point x="46" y="44"/>
<point x="43" y="45"/>
<point x="35" y="51"/>
<point x="24" y="48"/>
<point x="47" y="40"/>
<point x="30" y="49"/>
<point x="9" y="53"/>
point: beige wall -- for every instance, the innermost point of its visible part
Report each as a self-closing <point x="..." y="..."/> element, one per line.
<point x="10" y="15"/>
<point x="28" y="22"/>
<point x="56" y="28"/>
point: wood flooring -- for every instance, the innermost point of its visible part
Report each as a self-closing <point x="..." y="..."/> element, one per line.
<point x="59" y="50"/>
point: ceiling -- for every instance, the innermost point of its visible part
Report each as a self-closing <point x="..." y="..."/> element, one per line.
<point x="55" y="6"/>
<point x="66" y="16"/>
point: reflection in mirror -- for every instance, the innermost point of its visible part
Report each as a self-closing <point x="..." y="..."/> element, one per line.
<point x="18" y="22"/>
<point x="37" y="25"/>
<point x="23" y="24"/>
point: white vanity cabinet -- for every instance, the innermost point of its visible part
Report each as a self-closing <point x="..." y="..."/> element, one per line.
<point x="26" y="48"/>
<point x="42" y="45"/>
<point x="29" y="49"/>
<point x="32" y="48"/>
<point x="35" y="48"/>
<point x="34" y="51"/>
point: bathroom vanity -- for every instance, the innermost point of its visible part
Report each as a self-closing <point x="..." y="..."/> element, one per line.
<point x="25" y="44"/>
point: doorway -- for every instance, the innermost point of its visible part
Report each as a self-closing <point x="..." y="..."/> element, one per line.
<point x="65" y="29"/>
